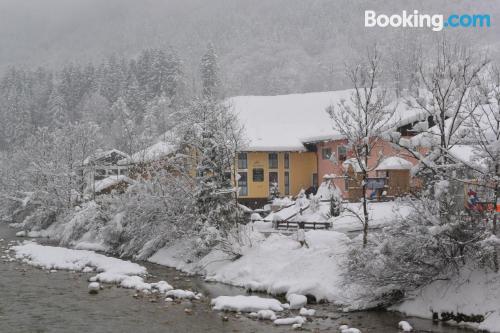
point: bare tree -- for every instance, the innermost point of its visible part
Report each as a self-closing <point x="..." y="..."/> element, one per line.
<point x="364" y="120"/>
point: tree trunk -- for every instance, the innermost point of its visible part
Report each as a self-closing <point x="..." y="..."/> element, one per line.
<point x="494" y="227"/>
<point x="365" y="211"/>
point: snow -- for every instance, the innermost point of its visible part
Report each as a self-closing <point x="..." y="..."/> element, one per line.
<point x="352" y="162"/>
<point x="291" y="120"/>
<point x="290" y="321"/>
<point x="107" y="182"/>
<point x="94" y="287"/>
<point x="350" y="330"/>
<point x="307" y="312"/>
<point x="90" y="246"/>
<point x="405" y="326"/>
<point x="181" y="294"/>
<point x="288" y="119"/>
<point x="100" y="154"/>
<point x="155" y="152"/>
<point x="162" y="286"/>
<point x="280" y="265"/>
<point x="467" y="154"/>
<point x="381" y="214"/>
<point x="296" y="301"/>
<point x="472" y="292"/>
<point x="255" y="217"/>
<point x="241" y="303"/>
<point x="394" y="163"/>
<point x="111" y="270"/>
<point x="266" y="315"/>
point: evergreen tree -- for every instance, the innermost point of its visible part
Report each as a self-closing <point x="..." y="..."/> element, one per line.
<point x="57" y="110"/>
<point x="209" y="73"/>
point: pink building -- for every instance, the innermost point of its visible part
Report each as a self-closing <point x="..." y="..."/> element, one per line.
<point x="326" y="165"/>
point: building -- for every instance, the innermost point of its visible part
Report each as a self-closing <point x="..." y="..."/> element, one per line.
<point x="102" y="165"/>
<point x="292" y="144"/>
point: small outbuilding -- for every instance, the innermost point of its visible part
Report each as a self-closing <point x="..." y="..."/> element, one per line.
<point x="396" y="171"/>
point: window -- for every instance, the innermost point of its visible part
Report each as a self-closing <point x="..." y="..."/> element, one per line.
<point x="315" y="180"/>
<point x="258" y="175"/>
<point x="273" y="183"/>
<point x="273" y="160"/>
<point x="287" y="183"/>
<point x="326" y="153"/>
<point x="342" y="153"/>
<point x="242" y="161"/>
<point x="243" y="184"/>
<point x="112" y="171"/>
<point x="287" y="160"/>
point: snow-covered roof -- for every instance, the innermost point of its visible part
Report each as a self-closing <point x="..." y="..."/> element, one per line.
<point x="152" y="153"/>
<point x="468" y="155"/>
<point x="105" y="183"/>
<point x="103" y="154"/>
<point x="286" y="122"/>
<point x="280" y="123"/>
<point x="352" y="162"/>
<point x="394" y="163"/>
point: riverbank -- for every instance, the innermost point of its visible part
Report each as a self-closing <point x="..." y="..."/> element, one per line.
<point x="57" y="302"/>
<point x="280" y="265"/>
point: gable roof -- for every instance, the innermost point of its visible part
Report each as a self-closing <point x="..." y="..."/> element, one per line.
<point x="287" y="122"/>
<point x="151" y="153"/>
<point x="105" y="157"/>
<point x="394" y="163"/>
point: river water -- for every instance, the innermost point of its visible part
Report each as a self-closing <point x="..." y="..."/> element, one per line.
<point x="34" y="300"/>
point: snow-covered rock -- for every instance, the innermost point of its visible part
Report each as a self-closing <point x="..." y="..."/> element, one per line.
<point x="87" y="269"/>
<point x="181" y="294"/>
<point x="266" y="315"/>
<point x="162" y="286"/>
<point x="130" y="282"/>
<point x="290" y="321"/>
<point x="94" y="287"/>
<point x="245" y="303"/>
<point x="307" y="312"/>
<point x="351" y="330"/>
<point x="405" y="326"/>
<point x="347" y="329"/>
<point x="296" y="301"/>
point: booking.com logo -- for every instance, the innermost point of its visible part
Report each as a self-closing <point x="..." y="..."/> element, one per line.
<point x="436" y="21"/>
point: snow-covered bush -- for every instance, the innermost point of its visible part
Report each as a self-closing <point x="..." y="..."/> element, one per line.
<point x="150" y="214"/>
<point x="437" y="238"/>
<point x="87" y="219"/>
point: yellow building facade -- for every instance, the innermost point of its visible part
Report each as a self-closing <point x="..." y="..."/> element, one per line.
<point x="261" y="173"/>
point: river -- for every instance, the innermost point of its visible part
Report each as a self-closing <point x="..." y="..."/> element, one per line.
<point x="35" y="300"/>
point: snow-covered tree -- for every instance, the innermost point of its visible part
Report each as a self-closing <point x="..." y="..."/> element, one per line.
<point x="210" y="73"/>
<point x="124" y="127"/>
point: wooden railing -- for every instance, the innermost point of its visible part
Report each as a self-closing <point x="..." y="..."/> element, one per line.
<point x="302" y="225"/>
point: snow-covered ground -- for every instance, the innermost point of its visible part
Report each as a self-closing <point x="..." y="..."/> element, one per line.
<point x="381" y="214"/>
<point x="472" y="292"/>
<point x="109" y="270"/>
<point x="276" y="265"/>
